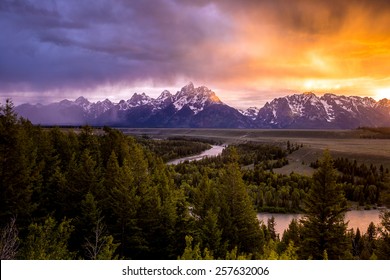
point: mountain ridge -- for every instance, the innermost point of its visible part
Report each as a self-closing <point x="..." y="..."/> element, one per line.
<point x="200" y="107"/>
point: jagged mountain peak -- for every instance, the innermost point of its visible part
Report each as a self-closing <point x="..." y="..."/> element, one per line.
<point x="251" y="112"/>
<point x="165" y="95"/>
<point x="137" y="95"/>
<point x="188" y="87"/>
<point x="303" y="97"/>
<point x="195" y="98"/>
<point x="384" y="102"/>
<point x="310" y="95"/>
<point x="81" y="100"/>
<point x="65" y="102"/>
<point x="83" y="103"/>
<point x="200" y="107"/>
<point x="105" y="102"/>
<point x="383" y="106"/>
<point x="328" y="111"/>
<point x="329" y="95"/>
<point x="139" y="99"/>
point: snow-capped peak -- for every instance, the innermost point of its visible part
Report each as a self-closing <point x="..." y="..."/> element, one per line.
<point x="139" y="99"/>
<point x="384" y="102"/>
<point x="188" y="87"/>
<point x="164" y="95"/>
<point x="81" y="100"/>
<point x="105" y="104"/>
<point x="251" y="112"/>
<point x="195" y="98"/>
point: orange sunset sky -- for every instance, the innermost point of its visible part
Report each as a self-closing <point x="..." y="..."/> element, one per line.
<point x="248" y="52"/>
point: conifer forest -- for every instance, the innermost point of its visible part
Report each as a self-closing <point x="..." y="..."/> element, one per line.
<point x="90" y="193"/>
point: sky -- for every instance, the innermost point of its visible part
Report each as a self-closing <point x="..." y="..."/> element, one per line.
<point x="247" y="51"/>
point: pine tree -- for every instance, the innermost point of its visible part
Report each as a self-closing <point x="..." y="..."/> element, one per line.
<point x="88" y="175"/>
<point x="238" y="220"/>
<point x="48" y="241"/>
<point x="290" y="253"/>
<point x="383" y="248"/>
<point x="58" y="186"/>
<point x="91" y="233"/>
<point x="356" y="243"/>
<point x="271" y="228"/>
<point x="160" y="216"/>
<point x="122" y="206"/>
<point x="368" y="242"/>
<point x="17" y="166"/>
<point x="211" y="234"/>
<point x="194" y="252"/>
<point x="324" y="228"/>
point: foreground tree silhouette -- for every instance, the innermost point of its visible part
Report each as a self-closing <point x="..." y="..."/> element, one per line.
<point x="17" y="166"/>
<point x="383" y="248"/>
<point x="48" y="241"/>
<point x="239" y="224"/>
<point x="324" y="229"/>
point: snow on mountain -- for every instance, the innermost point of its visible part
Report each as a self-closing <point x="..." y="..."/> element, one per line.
<point x="329" y="111"/>
<point x="251" y="112"/>
<point x="163" y="100"/>
<point x="139" y="100"/>
<point x="165" y="95"/>
<point x="200" y="107"/>
<point x="98" y="108"/>
<point x="135" y="101"/>
<point x="383" y="103"/>
<point x="195" y="98"/>
<point x="82" y="102"/>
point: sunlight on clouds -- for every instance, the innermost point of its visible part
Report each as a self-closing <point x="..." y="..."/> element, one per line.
<point x="382" y="93"/>
<point x="321" y="85"/>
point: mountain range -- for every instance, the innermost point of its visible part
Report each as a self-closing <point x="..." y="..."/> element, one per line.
<point x="200" y="107"/>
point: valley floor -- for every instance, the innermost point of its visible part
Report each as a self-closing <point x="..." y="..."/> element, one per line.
<point x="351" y="144"/>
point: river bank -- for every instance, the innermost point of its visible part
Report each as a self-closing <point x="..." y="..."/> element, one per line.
<point x="215" y="150"/>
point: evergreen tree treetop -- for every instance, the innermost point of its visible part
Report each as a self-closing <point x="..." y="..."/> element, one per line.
<point x="324" y="228"/>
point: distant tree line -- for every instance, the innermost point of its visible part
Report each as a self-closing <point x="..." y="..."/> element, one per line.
<point x="174" y="148"/>
<point x="362" y="183"/>
<point x="375" y="132"/>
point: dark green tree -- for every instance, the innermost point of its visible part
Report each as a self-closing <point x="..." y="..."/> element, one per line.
<point x="291" y="234"/>
<point x="271" y="228"/>
<point x="97" y="243"/>
<point x="48" y="241"/>
<point x="238" y="220"/>
<point x="357" y="243"/>
<point x="369" y="240"/>
<point x="383" y="248"/>
<point x="123" y="203"/>
<point x="17" y="166"/>
<point x="324" y="228"/>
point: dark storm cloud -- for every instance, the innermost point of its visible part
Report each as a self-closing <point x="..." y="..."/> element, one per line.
<point x="56" y="47"/>
<point x="50" y="45"/>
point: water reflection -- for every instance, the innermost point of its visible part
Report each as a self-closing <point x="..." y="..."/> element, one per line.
<point x="213" y="151"/>
<point x="357" y="219"/>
